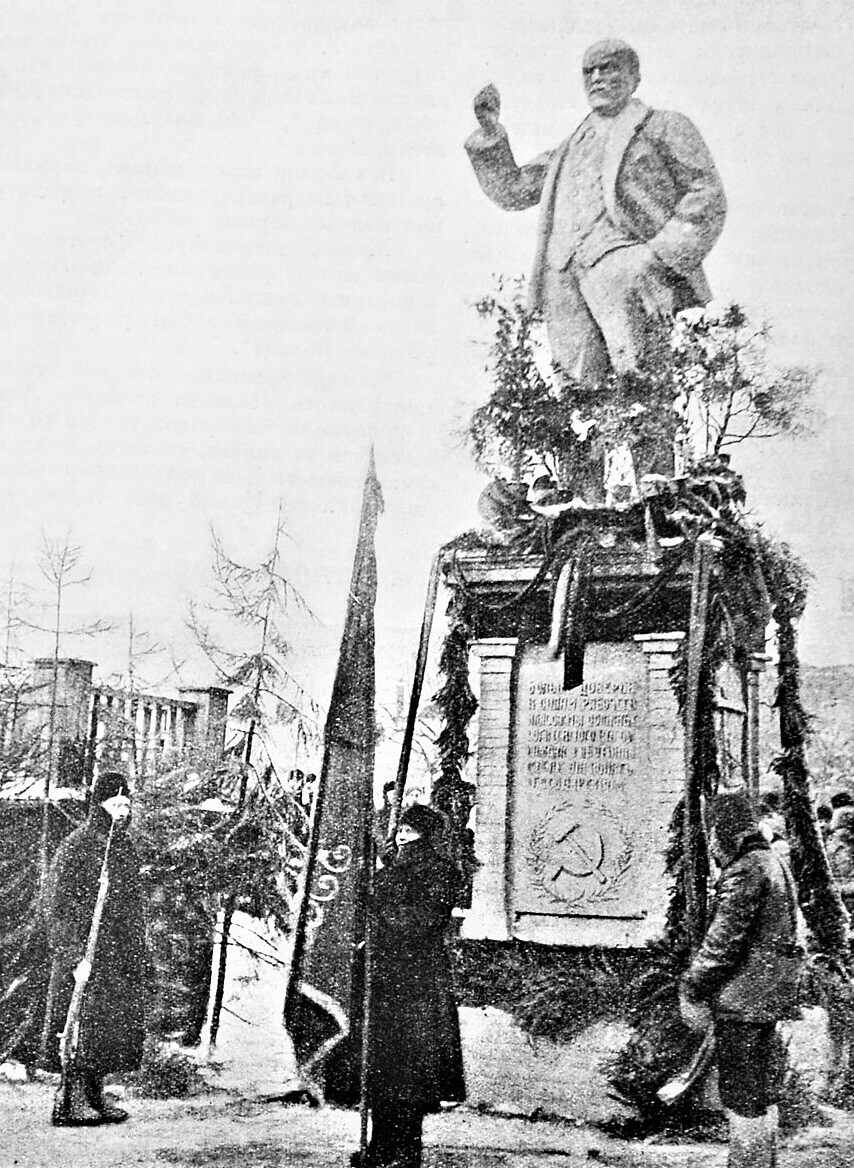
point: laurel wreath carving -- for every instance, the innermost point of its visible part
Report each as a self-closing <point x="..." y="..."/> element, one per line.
<point x="538" y="855"/>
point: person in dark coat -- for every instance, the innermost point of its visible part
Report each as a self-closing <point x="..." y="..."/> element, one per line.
<point x="112" y="1016"/>
<point x="414" y="1048"/>
<point x="840" y="852"/>
<point x="745" y="975"/>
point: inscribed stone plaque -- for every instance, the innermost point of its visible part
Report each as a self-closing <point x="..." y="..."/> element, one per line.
<point x="583" y="821"/>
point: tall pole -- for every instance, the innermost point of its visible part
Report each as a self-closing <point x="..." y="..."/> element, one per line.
<point x="695" y="898"/>
<point x="415" y="696"/>
<point x="399" y="786"/>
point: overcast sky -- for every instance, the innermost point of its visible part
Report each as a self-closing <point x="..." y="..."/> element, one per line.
<point x="240" y="240"/>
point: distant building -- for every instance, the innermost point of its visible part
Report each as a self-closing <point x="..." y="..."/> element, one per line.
<point x="55" y="720"/>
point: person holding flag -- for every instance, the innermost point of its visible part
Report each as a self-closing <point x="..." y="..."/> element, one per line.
<point x="369" y="1009"/>
<point x="414" y="1048"/>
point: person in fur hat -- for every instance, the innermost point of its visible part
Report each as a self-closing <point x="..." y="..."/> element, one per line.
<point x="112" y="1016"/>
<point x="745" y="975"/>
<point x="414" y="1049"/>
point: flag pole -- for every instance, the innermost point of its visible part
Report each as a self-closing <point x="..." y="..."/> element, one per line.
<point x="694" y="835"/>
<point x="400" y="784"/>
<point x="415" y="696"/>
<point x="346" y="774"/>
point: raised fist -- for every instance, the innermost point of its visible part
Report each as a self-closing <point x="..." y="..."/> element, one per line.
<point x="487" y="107"/>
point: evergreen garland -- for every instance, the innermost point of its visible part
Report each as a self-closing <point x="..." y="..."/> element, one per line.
<point x="822" y="905"/>
<point x="551" y="992"/>
<point x="754" y="579"/>
<point x="661" y="1045"/>
<point x="706" y="768"/>
<point x="457" y="704"/>
<point x="719" y="363"/>
<point x="455" y="699"/>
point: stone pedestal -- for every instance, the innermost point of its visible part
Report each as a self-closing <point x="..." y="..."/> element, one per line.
<point x="488" y="917"/>
<point x="575" y="792"/>
<point x="576" y="788"/>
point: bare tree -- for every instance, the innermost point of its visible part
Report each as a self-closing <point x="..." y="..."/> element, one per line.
<point x="14" y="677"/>
<point x="59" y="564"/>
<point x="256" y="598"/>
<point x="720" y="364"/>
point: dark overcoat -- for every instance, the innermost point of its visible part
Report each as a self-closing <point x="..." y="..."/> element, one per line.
<point x="749" y="964"/>
<point x="415" y="1054"/>
<point x="840" y="853"/>
<point x="112" y="1018"/>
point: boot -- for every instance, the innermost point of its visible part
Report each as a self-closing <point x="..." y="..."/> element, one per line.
<point x="95" y="1094"/>
<point x="752" y="1140"/>
<point x="71" y="1108"/>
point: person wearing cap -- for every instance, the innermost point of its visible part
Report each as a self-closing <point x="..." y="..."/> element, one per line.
<point x="414" y="1047"/>
<point x="112" y="1018"/>
<point x="745" y="975"/>
<point x="630" y="205"/>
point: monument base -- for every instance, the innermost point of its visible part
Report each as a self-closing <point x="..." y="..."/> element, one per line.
<point x="577" y="784"/>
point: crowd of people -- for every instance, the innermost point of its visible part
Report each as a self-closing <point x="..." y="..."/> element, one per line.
<point x="740" y="984"/>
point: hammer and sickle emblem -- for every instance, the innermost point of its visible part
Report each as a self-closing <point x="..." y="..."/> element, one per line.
<point x="582" y="863"/>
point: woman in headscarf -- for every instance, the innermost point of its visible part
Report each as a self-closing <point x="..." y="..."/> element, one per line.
<point x="415" y="1054"/>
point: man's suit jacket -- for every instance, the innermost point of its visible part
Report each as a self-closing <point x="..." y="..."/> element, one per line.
<point x="659" y="183"/>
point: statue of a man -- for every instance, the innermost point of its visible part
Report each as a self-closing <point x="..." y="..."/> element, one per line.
<point x="630" y="205"/>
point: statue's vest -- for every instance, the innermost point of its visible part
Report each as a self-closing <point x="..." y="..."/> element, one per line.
<point x="582" y="228"/>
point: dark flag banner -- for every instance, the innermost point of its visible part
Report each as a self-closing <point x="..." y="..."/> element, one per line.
<point x="324" y="999"/>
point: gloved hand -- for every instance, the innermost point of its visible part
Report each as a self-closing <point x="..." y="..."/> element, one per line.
<point x="695" y="1014"/>
<point x="82" y="971"/>
<point x="387" y="852"/>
